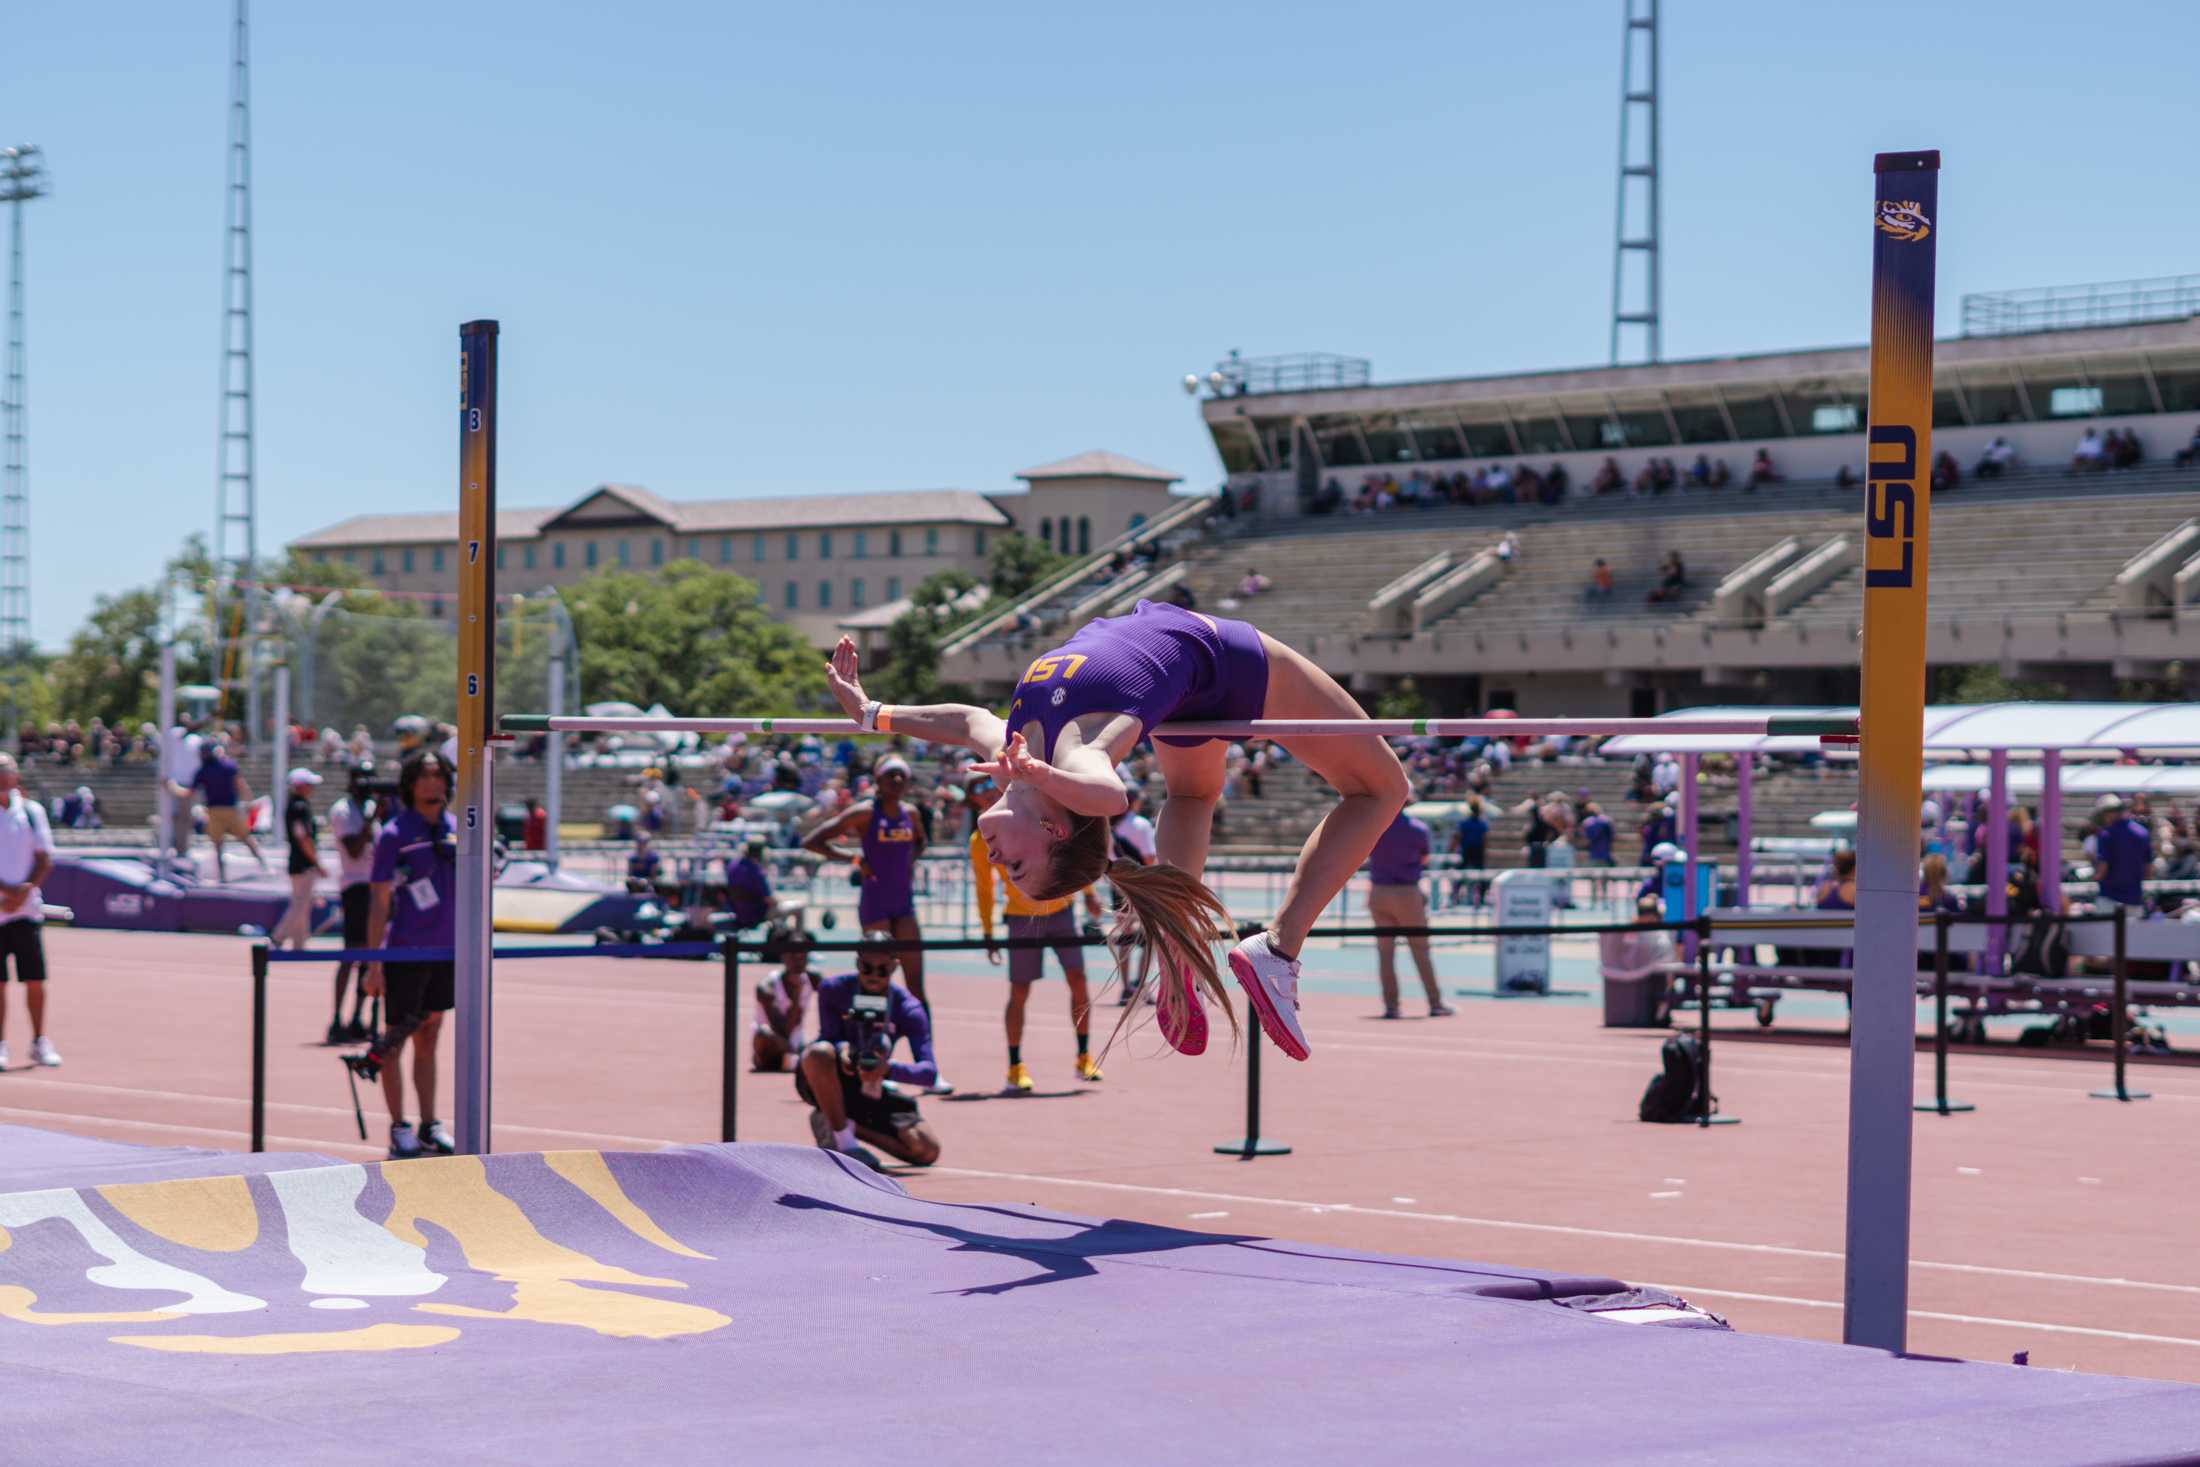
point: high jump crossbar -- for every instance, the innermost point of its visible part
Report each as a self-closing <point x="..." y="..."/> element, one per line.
<point x="1836" y="729"/>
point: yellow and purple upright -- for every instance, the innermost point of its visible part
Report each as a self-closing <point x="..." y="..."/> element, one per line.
<point x="471" y="801"/>
<point x="1897" y="512"/>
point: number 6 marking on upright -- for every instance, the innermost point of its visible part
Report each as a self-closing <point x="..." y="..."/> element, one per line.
<point x="473" y="684"/>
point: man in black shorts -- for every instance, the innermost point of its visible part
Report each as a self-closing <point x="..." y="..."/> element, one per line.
<point x="415" y="889"/>
<point x="26" y="855"/>
<point x="355" y="823"/>
<point x="849" y="1076"/>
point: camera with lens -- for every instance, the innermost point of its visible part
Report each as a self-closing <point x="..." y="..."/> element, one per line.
<point x="364" y="787"/>
<point x="873" y="1037"/>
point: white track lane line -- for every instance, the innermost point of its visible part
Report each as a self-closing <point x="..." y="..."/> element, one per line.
<point x="2023" y="1324"/>
<point x="1560" y="1229"/>
<point x="237" y="1137"/>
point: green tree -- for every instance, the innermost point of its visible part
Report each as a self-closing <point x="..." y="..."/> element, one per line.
<point x="1983" y="682"/>
<point x="910" y="670"/>
<point x="693" y="638"/>
<point x="1401" y="699"/>
<point x="1018" y="563"/>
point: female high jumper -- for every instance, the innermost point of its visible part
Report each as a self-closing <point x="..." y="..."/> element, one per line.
<point x="1078" y="712"/>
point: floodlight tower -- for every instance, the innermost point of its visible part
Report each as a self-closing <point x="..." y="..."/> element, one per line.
<point x="22" y="178"/>
<point x="236" y="517"/>
<point x="1635" y="225"/>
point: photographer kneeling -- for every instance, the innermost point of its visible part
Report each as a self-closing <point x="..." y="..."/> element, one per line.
<point x="850" y="1076"/>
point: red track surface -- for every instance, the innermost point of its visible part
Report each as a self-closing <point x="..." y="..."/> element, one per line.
<point x="2046" y="1221"/>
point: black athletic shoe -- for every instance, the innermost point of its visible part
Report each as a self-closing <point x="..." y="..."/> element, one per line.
<point x="355" y="1032"/>
<point x="337" y="1033"/>
<point x="436" y="1137"/>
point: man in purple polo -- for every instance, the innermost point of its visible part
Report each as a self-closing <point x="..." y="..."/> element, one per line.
<point x="415" y="886"/>
<point x="2123" y="853"/>
<point x="1395" y="900"/>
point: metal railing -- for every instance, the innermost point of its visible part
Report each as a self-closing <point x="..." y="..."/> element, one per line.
<point x="2069" y="307"/>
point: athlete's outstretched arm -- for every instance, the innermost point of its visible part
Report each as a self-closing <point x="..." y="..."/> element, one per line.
<point x="937" y="723"/>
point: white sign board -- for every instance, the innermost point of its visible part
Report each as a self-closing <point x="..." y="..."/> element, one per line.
<point x="1523" y="899"/>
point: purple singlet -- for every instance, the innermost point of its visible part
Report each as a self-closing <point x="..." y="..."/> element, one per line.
<point x="890" y="858"/>
<point x="1161" y="664"/>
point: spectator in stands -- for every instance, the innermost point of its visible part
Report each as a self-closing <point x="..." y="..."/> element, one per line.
<point x="848" y="1092"/>
<point x="1844" y="477"/>
<point x="1672" y="579"/>
<point x="1600" y="582"/>
<point x="1721" y="475"/>
<point x="300" y="828"/>
<point x="642" y="867"/>
<point x="1254" y="583"/>
<point x="1761" y="470"/>
<point x="2183" y="861"/>
<point x="1837" y="892"/>
<point x="749" y="889"/>
<point x="2191" y="451"/>
<point x="1945" y="473"/>
<point x="1508" y="547"/>
<point x="2124" y="451"/>
<point x="1659" y="827"/>
<point x="1180" y="594"/>
<point x="1597" y="831"/>
<point x="1133" y="830"/>
<point x="1608" y="480"/>
<point x="2122" y="850"/>
<point x="1657" y="858"/>
<point x="780" y="1003"/>
<point x="1542" y="828"/>
<point x="1997" y="458"/>
<point x="1699" y="472"/>
<point x="1646" y="478"/>
<point x="2091" y="454"/>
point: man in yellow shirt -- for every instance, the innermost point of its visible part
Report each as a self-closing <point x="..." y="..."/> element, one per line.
<point x="1028" y="918"/>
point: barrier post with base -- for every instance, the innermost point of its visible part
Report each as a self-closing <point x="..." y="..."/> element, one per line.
<point x="1940" y="1104"/>
<point x="1701" y="1111"/>
<point x="259" y="1046"/>
<point x="730" y="1039"/>
<point x="2118" y="1030"/>
<point x="1250" y="1144"/>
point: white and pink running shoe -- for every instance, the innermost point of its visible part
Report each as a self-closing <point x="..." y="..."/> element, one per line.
<point x="1186" y="1030"/>
<point x="1272" y="985"/>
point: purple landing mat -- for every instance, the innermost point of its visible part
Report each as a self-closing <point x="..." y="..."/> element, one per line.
<point x="32" y="1160"/>
<point x="769" y="1304"/>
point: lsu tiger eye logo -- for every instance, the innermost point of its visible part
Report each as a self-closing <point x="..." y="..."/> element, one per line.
<point x="1905" y="220"/>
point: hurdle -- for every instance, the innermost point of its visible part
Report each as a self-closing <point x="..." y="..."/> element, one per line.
<point x="1888" y="733"/>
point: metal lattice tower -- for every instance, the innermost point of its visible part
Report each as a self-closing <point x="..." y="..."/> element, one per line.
<point x="236" y="522"/>
<point x="1635" y="225"/>
<point x="22" y="178"/>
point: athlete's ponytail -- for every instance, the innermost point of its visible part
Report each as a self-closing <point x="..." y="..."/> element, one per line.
<point x="1178" y="919"/>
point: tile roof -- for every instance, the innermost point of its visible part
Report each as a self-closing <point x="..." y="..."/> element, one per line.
<point x="691" y="517"/>
<point x="1099" y="463"/>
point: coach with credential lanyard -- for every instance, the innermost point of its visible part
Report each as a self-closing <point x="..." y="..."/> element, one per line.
<point x="415" y="885"/>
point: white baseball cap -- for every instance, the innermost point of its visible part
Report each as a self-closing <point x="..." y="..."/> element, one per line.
<point x="1665" y="850"/>
<point x="304" y="776"/>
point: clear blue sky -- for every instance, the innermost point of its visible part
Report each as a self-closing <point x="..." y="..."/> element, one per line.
<point x="779" y="249"/>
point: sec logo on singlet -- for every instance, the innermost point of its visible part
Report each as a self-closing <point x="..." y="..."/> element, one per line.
<point x="1059" y="695"/>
